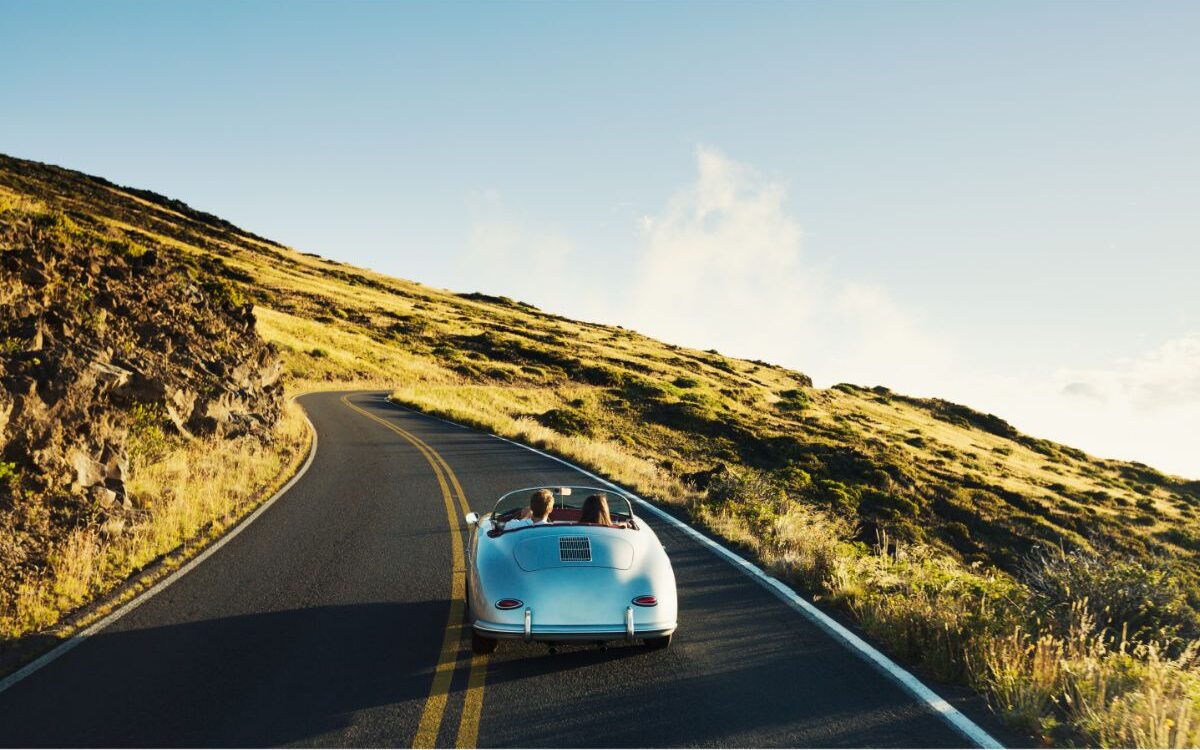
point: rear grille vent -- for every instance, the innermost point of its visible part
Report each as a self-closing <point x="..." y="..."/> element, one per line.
<point x="574" y="549"/>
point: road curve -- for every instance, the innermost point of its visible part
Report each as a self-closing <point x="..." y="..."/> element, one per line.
<point x="323" y="624"/>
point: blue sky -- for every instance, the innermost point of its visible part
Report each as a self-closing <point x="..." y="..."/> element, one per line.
<point x="996" y="203"/>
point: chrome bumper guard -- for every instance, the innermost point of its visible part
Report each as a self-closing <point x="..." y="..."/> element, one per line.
<point x="608" y="632"/>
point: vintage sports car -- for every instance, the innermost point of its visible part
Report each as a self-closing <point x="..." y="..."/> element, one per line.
<point x="564" y="580"/>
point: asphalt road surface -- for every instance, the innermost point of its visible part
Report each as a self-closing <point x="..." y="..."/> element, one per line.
<point x="324" y="621"/>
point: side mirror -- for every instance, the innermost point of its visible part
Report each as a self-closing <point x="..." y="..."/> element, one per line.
<point x="471" y="518"/>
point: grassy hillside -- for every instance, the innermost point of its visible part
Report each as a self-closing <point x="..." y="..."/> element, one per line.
<point x="973" y="551"/>
<point x="139" y="412"/>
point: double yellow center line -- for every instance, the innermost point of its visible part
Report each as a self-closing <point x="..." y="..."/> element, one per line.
<point x="435" y="704"/>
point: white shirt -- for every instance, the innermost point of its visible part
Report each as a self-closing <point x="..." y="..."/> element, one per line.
<point x="519" y="522"/>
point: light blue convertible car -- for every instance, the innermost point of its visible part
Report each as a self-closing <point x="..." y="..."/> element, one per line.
<point x="564" y="580"/>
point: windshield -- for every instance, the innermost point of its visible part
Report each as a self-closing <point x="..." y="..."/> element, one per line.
<point x="565" y="499"/>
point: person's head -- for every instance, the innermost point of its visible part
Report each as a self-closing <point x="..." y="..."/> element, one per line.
<point x="595" y="510"/>
<point x="541" y="503"/>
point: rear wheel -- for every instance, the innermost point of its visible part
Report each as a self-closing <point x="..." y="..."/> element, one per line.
<point x="657" y="644"/>
<point x="481" y="644"/>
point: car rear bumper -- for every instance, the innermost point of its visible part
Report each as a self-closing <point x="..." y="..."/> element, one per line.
<point x="537" y="632"/>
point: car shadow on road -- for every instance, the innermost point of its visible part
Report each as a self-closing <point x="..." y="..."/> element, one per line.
<point x="269" y="678"/>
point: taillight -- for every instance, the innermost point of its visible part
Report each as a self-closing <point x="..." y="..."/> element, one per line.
<point x="646" y="600"/>
<point x="508" y="603"/>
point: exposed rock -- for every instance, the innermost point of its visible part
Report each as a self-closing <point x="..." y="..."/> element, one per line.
<point x="110" y="376"/>
<point x="88" y="471"/>
<point x="96" y="339"/>
<point x="179" y="408"/>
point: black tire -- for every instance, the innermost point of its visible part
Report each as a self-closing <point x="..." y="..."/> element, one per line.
<point x="481" y="644"/>
<point x="657" y="644"/>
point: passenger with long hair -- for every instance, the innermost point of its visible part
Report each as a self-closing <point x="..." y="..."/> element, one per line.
<point x="595" y="510"/>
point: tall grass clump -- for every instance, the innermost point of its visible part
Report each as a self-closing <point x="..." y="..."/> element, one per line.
<point x="1125" y="598"/>
<point x="1083" y="687"/>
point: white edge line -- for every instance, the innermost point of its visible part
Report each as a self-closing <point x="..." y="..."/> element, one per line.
<point x="146" y="595"/>
<point x="872" y="655"/>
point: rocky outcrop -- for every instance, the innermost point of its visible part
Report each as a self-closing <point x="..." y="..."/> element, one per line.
<point x="95" y="330"/>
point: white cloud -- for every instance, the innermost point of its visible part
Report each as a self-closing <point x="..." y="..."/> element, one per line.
<point x="507" y="254"/>
<point x="1162" y="378"/>
<point x="1146" y="408"/>
<point x="721" y="266"/>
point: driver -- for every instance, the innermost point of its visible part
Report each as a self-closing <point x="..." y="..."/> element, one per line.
<point x="541" y="503"/>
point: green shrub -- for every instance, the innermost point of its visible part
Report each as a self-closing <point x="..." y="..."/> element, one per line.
<point x="795" y="477"/>
<point x="686" y="416"/>
<point x="224" y="293"/>
<point x="964" y="416"/>
<point x="641" y="389"/>
<point x="839" y="498"/>
<point x="147" y="439"/>
<point x="1182" y="537"/>
<point x="498" y="373"/>
<point x="126" y="248"/>
<point x="886" y="505"/>
<point x="958" y="535"/>
<point x="58" y="224"/>
<point x="8" y="472"/>
<point x="1126" y="597"/>
<point x="603" y="376"/>
<point x="793" y="400"/>
<point x="753" y="497"/>
<point x="566" y="422"/>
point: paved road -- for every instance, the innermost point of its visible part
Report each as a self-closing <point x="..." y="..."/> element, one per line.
<point x="323" y="623"/>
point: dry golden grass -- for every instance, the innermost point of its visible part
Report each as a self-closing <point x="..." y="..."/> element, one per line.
<point x="192" y="494"/>
<point x="1123" y="695"/>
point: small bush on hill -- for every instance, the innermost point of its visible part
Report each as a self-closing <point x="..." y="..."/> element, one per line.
<point x="839" y="498"/>
<point x="1126" y="598"/>
<point x="793" y="400"/>
<point x="753" y="497"/>
<point x="566" y="422"/>
<point x="148" y="440"/>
